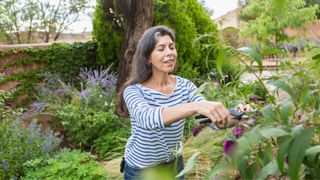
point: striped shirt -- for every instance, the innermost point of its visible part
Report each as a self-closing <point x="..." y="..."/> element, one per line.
<point x="151" y="142"/>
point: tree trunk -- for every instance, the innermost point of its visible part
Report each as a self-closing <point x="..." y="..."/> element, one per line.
<point x="140" y="19"/>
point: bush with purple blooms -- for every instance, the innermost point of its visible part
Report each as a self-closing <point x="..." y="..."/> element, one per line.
<point x="87" y="114"/>
<point x="21" y="142"/>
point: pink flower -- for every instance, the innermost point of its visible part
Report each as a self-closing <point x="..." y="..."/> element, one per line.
<point x="196" y="130"/>
<point x="229" y="146"/>
<point x="237" y="132"/>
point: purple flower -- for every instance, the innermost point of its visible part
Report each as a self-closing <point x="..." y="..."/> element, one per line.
<point x="37" y="106"/>
<point x="8" y="72"/>
<point x="196" y="130"/>
<point x="253" y="98"/>
<point x="9" y="104"/>
<point x="228" y="146"/>
<point x="237" y="132"/>
<point x="30" y="140"/>
<point x="18" y="84"/>
<point x="5" y="166"/>
<point x="286" y="159"/>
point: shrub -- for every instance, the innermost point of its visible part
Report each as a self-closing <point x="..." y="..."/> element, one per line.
<point x="112" y="144"/>
<point x="65" y="165"/>
<point x="188" y="18"/>
<point x="21" y="142"/>
<point x="258" y="90"/>
<point x="88" y="114"/>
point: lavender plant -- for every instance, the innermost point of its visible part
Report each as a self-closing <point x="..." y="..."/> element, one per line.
<point x="97" y="88"/>
<point x="86" y="114"/>
<point x="21" y="142"/>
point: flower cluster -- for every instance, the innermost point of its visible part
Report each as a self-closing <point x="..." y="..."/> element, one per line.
<point x="93" y="78"/>
<point x="237" y="132"/>
<point x="21" y="142"/>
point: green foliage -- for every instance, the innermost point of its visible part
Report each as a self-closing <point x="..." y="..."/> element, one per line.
<point x="86" y="116"/>
<point x="67" y="59"/>
<point x="84" y="125"/>
<point x="289" y="127"/>
<point x="266" y="21"/>
<point x="63" y="59"/>
<point x="221" y="60"/>
<point x="112" y="144"/>
<point x="190" y="164"/>
<point x="30" y="16"/>
<point x="188" y="18"/>
<point x="258" y="90"/>
<point x="108" y="34"/>
<point x="314" y="2"/>
<point x="65" y="165"/>
<point x="21" y="141"/>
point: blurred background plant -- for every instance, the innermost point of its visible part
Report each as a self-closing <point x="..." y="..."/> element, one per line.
<point x="86" y="116"/>
<point x="288" y="127"/>
<point x="67" y="164"/>
<point x="21" y="141"/>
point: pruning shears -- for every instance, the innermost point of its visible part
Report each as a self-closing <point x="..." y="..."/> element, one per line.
<point x="235" y="113"/>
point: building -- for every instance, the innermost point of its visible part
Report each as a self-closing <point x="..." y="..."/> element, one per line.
<point x="228" y="20"/>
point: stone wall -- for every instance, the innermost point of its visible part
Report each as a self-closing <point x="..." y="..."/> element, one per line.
<point x="30" y="114"/>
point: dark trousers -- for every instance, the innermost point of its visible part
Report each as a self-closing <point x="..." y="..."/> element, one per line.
<point x="162" y="171"/>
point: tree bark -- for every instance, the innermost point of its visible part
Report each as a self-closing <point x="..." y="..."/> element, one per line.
<point x="140" y="19"/>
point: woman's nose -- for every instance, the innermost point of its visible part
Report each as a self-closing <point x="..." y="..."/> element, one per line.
<point x="169" y="52"/>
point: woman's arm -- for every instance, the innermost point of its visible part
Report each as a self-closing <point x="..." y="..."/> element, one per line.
<point x="213" y="110"/>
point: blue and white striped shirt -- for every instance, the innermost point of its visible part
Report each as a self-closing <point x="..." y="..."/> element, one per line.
<point x="151" y="142"/>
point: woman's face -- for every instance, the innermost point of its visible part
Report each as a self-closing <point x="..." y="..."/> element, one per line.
<point x="164" y="56"/>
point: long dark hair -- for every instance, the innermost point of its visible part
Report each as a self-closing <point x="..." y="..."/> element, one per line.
<point x="141" y="69"/>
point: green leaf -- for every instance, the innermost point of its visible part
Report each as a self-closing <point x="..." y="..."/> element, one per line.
<point x="279" y="6"/>
<point x="316" y="57"/>
<point x="312" y="154"/>
<point x="270" y="169"/>
<point x="297" y="129"/>
<point x="216" y="169"/>
<point x="268" y="113"/>
<point x="286" y="110"/>
<point x="253" y="136"/>
<point x="284" y="86"/>
<point x="219" y="61"/>
<point x="273" y="132"/>
<point x="190" y="164"/>
<point x="250" y="171"/>
<point x="203" y="87"/>
<point x="253" y="54"/>
<point x="305" y="97"/>
<point x="297" y="151"/>
<point x="271" y="52"/>
<point x="317" y="105"/>
<point x="282" y="152"/>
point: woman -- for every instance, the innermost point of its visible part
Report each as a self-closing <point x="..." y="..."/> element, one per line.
<point x="158" y="103"/>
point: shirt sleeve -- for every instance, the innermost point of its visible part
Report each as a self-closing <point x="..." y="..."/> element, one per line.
<point x="146" y="116"/>
<point x="193" y="97"/>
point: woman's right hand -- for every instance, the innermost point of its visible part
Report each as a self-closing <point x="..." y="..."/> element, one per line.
<point x="213" y="110"/>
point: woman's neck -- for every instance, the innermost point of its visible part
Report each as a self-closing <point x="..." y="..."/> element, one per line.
<point x="164" y="83"/>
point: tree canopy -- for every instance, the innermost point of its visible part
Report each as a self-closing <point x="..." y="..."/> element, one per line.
<point x="266" y="20"/>
<point x="186" y="17"/>
<point x="49" y="17"/>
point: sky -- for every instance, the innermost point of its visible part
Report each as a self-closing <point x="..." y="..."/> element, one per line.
<point x="219" y="7"/>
